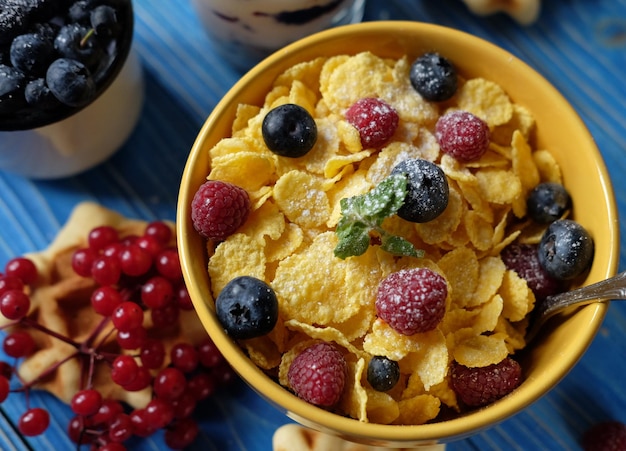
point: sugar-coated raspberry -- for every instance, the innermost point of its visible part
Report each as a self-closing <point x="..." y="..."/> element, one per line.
<point x="524" y="260"/>
<point x="462" y="135"/>
<point x="318" y="374"/>
<point x="218" y="209"/>
<point x="412" y="300"/>
<point x="605" y="436"/>
<point x="375" y="120"/>
<point x="483" y="385"/>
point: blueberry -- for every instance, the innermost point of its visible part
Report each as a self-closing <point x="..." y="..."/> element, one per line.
<point x="12" y="83"/>
<point x="73" y="41"/>
<point x="247" y="308"/>
<point x="566" y="249"/>
<point x="433" y="77"/>
<point x="427" y="190"/>
<point x="80" y="11"/>
<point x="382" y="373"/>
<point x="103" y="20"/>
<point x="32" y="53"/>
<point x="38" y="95"/>
<point x="547" y="202"/>
<point x="70" y="82"/>
<point x="289" y="131"/>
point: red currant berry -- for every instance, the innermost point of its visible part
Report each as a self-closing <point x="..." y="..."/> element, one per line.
<point x="4" y="388"/>
<point x="168" y="264"/>
<point x="33" y="422"/>
<point x="160" y="231"/>
<point x="169" y="383"/>
<point x="150" y="245"/>
<point x="124" y="370"/>
<point x="18" y="344"/>
<point x="6" y="370"/>
<point x="14" y="304"/>
<point x="185" y="404"/>
<point x="120" y="428"/>
<point x="141" y="426"/>
<point x="152" y="354"/>
<point x="157" y="292"/>
<point x="22" y="268"/>
<point x="105" y="299"/>
<point x="181" y="434"/>
<point x="100" y="237"/>
<point x="83" y="260"/>
<point x="202" y="384"/>
<point x="134" y="261"/>
<point x="210" y="356"/>
<point x="166" y="316"/>
<point x="142" y="379"/>
<point x="113" y="250"/>
<point x="112" y="446"/>
<point x="76" y="430"/>
<point x="224" y="374"/>
<point x="107" y="412"/>
<point x="183" y="299"/>
<point x="159" y="413"/>
<point x="132" y="339"/>
<point x="184" y="356"/>
<point x="10" y="283"/>
<point x="106" y="270"/>
<point x="127" y="316"/>
<point x="86" y="402"/>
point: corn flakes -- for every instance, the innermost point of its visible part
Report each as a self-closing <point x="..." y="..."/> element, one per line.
<point x="289" y="238"/>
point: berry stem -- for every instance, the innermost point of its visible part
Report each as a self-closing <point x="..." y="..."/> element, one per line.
<point x="88" y="35"/>
<point x="28" y="322"/>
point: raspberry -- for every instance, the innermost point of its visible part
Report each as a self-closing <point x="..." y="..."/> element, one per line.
<point x="412" y="300"/>
<point x="462" y="135"/>
<point x="605" y="436"/>
<point x="375" y="120"/>
<point x="218" y="209"/>
<point x="318" y="374"/>
<point x="524" y="260"/>
<point x="483" y="385"/>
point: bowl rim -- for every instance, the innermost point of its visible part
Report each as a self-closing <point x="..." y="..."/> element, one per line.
<point x="320" y="419"/>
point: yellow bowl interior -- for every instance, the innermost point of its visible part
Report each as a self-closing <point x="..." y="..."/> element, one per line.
<point x="559" y="129"/>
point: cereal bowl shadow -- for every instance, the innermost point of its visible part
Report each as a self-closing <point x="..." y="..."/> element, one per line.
<point x="558" y="129"/>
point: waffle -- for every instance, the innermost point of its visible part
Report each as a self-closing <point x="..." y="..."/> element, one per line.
<point x="524" y="11"/>
<point x="292" y="437"/>
<point x="60" y="301"/>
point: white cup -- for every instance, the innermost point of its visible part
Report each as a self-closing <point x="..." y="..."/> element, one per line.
<point x="82" y="140"/>
<point x="246" y="31"/>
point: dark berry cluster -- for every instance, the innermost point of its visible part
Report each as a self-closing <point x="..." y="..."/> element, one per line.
<point x="137" y="282"/>
<point x="56" y="56"/>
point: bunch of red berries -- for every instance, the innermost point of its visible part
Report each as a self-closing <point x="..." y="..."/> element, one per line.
<point x="137" y="281"/>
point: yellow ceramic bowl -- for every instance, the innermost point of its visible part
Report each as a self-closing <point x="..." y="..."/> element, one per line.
<point x="559" y="129"/>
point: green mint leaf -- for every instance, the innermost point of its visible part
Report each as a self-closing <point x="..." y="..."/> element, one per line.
<point x="354" y="239"/>
<point x="364" y="214"/>
<point x="397" y="245"/>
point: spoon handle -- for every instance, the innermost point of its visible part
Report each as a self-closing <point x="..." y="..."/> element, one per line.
<point x="612" y="288"/>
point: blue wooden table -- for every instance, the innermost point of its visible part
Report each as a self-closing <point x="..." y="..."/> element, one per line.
<point x="578" y="45"/>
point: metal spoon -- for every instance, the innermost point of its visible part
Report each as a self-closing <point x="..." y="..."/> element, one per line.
<point x="612" y="288"/>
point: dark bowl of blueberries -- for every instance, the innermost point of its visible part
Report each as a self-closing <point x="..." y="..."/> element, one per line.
<point x="558" y="129"/>
<point x="58" y="56"/>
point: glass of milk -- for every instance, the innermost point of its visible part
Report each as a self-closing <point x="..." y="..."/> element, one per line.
<point x="246" y="31"/>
